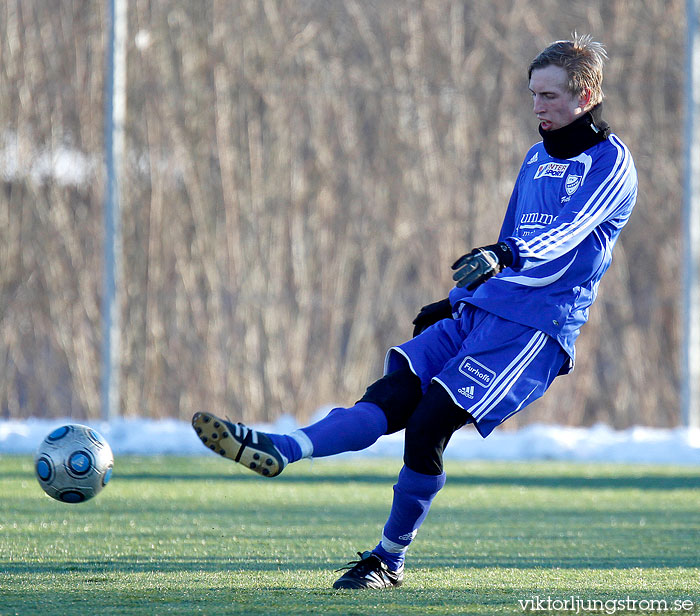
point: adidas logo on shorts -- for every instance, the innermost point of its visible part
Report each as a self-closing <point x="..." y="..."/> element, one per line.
<point x="467" y="391"/>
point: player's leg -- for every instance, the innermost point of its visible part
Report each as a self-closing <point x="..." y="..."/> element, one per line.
<point x="388" y="403"/>
<point x="383" y="409"/>
<point x="501" y="368"/>
<point x="428" y="431"/>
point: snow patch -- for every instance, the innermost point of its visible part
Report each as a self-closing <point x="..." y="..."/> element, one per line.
<point x="600" y="443"/>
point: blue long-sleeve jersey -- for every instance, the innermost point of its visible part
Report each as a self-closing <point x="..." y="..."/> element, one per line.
<point x="562" y="222"/>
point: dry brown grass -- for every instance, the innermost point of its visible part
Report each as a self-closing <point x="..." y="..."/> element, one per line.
<point x="300" y="177"/>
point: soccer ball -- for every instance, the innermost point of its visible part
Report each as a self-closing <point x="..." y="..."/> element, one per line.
<point x="73" y="463"/>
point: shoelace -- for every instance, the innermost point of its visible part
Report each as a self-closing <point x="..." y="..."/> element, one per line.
<point x="242" y="431"/>
<point x="354" y="563"/>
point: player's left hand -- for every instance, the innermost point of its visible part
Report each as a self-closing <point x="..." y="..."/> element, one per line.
<point x="481" y="264"/>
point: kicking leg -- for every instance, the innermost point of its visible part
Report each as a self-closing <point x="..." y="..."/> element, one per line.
<point x="254" y="450"/>
<point x="384" y="408"/>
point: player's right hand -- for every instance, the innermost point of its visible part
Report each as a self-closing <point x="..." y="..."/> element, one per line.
<point x="431" y="314"/>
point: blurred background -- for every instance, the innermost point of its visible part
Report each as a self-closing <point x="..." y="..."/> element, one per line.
<point x="299" y="176"/>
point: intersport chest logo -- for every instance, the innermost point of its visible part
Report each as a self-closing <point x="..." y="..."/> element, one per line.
<point x="551" y="170"/>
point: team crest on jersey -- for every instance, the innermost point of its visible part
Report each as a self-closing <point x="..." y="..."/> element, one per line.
<point x="551" y="170"/>
<point x="572" y="183"/>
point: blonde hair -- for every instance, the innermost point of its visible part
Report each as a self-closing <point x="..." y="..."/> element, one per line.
<point x="582" y="58"/>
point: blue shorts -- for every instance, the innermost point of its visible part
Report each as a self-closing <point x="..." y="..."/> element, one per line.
<point x="492" y="368"/>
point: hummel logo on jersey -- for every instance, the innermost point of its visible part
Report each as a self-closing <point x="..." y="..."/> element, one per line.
<point x="551" y="170"/>
<point x="534" y="159"/>
<point x="467" y="391"/>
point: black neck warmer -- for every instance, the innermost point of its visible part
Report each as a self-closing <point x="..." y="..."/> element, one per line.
<point x="577" y="137"/>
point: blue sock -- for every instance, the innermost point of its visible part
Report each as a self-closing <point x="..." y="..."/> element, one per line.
<point x="350" y="429"/>
<point x="413" y="494"/>
<point x="288" y="447"/>
<point x="341" y="430"/>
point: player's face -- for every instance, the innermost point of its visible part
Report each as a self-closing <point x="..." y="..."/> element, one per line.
<point x="554" y="105"/>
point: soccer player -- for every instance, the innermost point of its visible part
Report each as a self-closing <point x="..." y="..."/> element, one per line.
<point x="507" y="328"/>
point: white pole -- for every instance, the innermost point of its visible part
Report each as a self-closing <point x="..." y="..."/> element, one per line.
<point x="690" y="389"/>
<point x="115" y="114"/>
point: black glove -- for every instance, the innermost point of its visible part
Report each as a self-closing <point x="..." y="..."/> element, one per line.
<point x="430" y="314"/>
<point x="481" y="263"/>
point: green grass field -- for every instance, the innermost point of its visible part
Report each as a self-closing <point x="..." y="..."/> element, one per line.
<point x="198" y="536"/>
